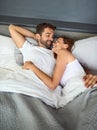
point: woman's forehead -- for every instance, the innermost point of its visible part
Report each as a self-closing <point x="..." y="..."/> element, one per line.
<point x="60" y="39"/>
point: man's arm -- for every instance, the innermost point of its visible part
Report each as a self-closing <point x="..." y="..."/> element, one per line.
<point x="18" y="34"/>
<point x="89" y="79"/>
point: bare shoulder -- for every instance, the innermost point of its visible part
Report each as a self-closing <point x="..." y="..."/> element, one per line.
<point x="65" y="54"/>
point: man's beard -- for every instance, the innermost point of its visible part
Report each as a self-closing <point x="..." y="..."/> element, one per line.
<point x="48" y="46"/>
<point x="45" y="44"/>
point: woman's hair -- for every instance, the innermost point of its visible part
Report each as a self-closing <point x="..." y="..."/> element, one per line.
<point x="40" y="27"/>
<point x="68" y="41"/>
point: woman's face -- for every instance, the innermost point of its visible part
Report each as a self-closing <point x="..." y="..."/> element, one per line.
<point x="57" y="45"/>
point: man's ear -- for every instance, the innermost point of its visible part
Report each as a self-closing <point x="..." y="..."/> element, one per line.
<point x="37" y="36"/>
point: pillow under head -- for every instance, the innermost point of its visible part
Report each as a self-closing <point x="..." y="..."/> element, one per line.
<point x="85" y="51"/>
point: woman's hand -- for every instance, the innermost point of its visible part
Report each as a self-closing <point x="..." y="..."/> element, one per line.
<point x="90" y="80"/>
<point x="28" y="65"/>
<point x="56" y="48"/>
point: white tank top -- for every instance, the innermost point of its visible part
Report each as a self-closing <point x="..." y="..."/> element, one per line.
<point x="73" y="69"/>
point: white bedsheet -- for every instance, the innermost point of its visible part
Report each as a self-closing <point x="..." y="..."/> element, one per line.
<point x="26" y="82"/>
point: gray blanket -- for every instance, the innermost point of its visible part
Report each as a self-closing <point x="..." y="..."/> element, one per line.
<point x="20" y="112"/>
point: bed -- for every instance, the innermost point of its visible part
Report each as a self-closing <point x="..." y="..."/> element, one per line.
<point x="23" y="112"/>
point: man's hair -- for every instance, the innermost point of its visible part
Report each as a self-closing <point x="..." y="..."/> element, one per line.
<point x="40" y="27"/>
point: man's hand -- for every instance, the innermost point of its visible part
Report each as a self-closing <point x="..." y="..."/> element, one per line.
<point x="90" y="80"/>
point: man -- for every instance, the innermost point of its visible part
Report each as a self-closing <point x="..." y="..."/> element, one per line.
<point x="44" y="37"/>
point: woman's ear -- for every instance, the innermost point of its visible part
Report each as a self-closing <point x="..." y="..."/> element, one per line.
<point x="66" y="46"/>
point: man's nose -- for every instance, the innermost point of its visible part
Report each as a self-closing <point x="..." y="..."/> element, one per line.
<point x="51" y="38"/>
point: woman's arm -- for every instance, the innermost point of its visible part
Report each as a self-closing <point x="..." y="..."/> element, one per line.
<point x="18" y="34"/>
<point x="51" y="82"/>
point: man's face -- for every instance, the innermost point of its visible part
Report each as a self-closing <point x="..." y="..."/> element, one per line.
<point x="46" y="38"/>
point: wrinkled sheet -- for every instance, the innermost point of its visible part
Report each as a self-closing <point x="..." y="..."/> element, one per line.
<point x="22" y="111"/>
<point x="18" y="111"/>
<point x="26" y="82"/>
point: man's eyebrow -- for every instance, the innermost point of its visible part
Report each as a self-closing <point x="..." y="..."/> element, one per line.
<point x="49" y="33"/>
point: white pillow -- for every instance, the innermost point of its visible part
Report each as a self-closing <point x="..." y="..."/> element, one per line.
<point x="7" y="49"/>
<point x="7" y="45"/>
<point x="10" y="56"/>
<point x="86" y="52"/>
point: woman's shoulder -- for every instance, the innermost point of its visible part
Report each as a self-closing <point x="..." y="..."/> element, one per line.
<point x="66" y="55"/>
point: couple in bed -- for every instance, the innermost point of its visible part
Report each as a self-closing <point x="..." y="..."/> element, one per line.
<point x="66" y="70"/>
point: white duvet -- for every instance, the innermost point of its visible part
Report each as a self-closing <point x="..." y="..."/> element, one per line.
<point x="26" y="82"/>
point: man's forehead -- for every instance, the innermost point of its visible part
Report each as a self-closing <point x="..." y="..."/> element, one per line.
<point x="48" y="31"/>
